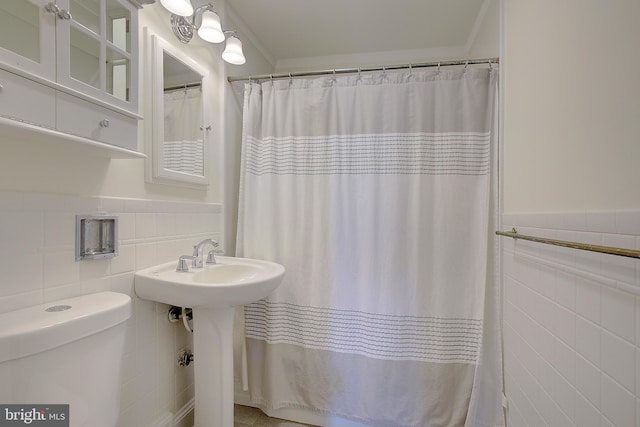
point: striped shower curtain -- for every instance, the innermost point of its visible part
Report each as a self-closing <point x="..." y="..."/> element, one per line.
<point x="374" y="192"/>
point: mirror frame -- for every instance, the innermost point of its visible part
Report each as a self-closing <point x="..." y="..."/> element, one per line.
<point x="155" y="48"/>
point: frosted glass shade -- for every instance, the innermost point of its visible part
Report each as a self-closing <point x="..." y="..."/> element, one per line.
<point x="210" y="30"/>
<point x="178" y="7"/>
<point x="233" y="51"/>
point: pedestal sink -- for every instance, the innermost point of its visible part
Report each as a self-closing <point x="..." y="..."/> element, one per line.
<point x="212" y="292"/>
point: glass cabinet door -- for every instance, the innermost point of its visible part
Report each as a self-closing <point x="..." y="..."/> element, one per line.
<point x="27" y="36"/>
<point x="96" y="47"/>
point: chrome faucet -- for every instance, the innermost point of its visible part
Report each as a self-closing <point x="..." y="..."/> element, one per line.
<point x="198" y="253"/>
<point x="197" y="259"/>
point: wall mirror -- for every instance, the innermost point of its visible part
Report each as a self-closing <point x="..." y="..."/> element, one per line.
<point x="176" y="112"/>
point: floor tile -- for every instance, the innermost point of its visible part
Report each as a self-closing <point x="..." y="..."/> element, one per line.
<point x="245" y="416"/>
<point x="265" y="421"/>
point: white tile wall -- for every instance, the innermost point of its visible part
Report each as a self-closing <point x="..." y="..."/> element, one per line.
<point x="572" y="341"/>
<point x="37" y="265"/>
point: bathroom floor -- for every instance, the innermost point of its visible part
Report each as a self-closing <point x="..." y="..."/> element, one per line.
<point x="246" y="416"/>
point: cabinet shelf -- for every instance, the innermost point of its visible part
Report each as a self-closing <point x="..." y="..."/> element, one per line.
<point x="22" y="131"/>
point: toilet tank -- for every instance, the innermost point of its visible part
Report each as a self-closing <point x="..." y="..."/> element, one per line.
<point x="66" y="352"/>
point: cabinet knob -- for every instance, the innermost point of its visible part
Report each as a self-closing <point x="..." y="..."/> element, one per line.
<point x="54" y="8"/>
<point x="104" y="123"/>
<point x="207" y="128"/>
<point x="64" y="14"/>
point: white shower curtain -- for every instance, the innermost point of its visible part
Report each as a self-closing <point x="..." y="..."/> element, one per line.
<point x="374" y="192"/>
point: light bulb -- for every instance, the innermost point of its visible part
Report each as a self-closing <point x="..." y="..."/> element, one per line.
<point x="233" y="51"/>
<point x="178" y="7"/>
<point x="210" y="29"/>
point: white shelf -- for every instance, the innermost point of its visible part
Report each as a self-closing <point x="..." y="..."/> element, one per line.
<point x="17" y="130"/>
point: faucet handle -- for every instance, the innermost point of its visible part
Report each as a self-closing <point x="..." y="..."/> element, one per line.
<point x="183" y="266"/>
<point x="211" y="259"/>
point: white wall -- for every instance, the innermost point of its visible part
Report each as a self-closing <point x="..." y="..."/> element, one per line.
<point x="484" y="41"/>
<point x="570" y="110"/>
<point x="571" y="105"/>
<point x="572" y="328"/>
<point x="43" y="187"/>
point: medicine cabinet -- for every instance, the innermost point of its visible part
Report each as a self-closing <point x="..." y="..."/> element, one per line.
<point x="177" y="133"/>
<point x="77" y="62"/>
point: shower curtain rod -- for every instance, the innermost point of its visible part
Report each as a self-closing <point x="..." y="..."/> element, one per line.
<point x="183" y="86"/>
<point x="465" y="62"/>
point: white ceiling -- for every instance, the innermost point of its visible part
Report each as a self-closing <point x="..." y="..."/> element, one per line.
<point x="295" y="31"/>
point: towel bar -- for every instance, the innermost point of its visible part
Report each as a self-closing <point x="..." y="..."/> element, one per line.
<point x="629" y="253"/>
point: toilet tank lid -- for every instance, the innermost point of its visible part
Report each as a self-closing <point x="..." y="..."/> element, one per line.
<point x="43" y="327"/>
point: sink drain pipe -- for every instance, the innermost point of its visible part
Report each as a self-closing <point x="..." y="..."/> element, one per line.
<point x="185" y="319"/>
<point x="177" y="313"/>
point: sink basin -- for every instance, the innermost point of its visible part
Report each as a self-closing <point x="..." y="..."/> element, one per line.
<point x="229" y="283"/>
<point x="227" y="273"/>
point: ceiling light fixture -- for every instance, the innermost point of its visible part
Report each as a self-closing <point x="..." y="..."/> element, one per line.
<point x="183" y="24"/>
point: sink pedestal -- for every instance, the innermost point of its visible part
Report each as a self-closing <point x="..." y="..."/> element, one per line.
<point x="213" y="366"/>
<point x="212" y="292"/>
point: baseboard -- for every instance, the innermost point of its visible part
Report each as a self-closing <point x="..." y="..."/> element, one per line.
<point x="164" y="420"/>
<point x="168" y="419"/>
<point x="184" y="411"/>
